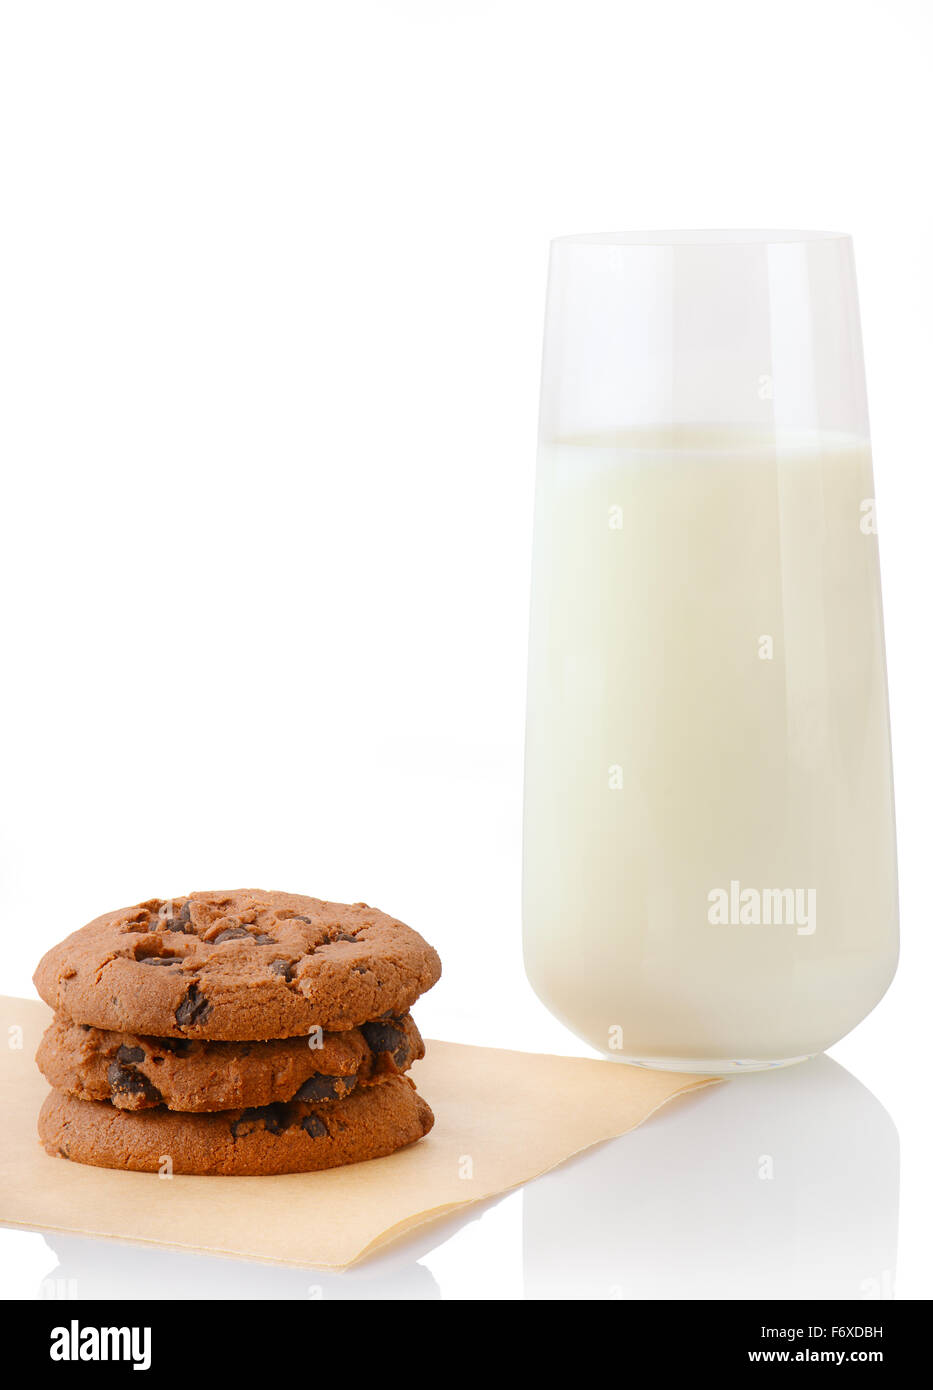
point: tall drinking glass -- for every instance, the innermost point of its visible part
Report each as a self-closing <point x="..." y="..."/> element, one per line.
<point x="710" y="873"/>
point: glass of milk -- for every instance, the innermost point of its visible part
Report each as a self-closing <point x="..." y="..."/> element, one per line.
<point x="709" y="862"/>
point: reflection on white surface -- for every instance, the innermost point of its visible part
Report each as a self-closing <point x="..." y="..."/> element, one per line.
<point x="109" y="1269"/>
<point x="781" y="1184"/>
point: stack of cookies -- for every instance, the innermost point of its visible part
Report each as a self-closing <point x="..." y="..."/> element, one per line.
<point x="236" y="1033"/>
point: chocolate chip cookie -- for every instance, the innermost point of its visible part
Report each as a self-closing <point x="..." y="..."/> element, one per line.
<point x="236" y="966"/>
<point x="233" y="1033"/>
<point x="294" y="1137"/>
<point x="136" y="1072"/>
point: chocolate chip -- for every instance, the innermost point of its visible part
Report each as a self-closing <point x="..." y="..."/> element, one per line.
<point x="127" y="1081"/>
<point x="158" y="960"/>
<point x="182" y="922"/>
<point x="273" y="1118"/>
<point x="285" y="968"/>
<point x="386" y="1037"/>
<point x="382" y="1037"/>
<point x="276" y="1118"/>
<point x="193" y="1008"/>
<point x="325" y="1088"/>
<point x="128" y="1055"/>
<point x="344" y="936"/>
<point x="314" y="1125"/>
<point x="263" y="940"/>
<point x="230" y="934"/>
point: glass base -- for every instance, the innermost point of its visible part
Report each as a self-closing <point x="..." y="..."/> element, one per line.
<point x="716" y="1066"/>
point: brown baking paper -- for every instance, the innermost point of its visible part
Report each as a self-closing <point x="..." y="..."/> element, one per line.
<point x="501" y="1119"/>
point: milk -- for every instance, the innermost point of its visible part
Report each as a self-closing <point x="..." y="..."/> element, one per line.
<point x="708" y="737"/>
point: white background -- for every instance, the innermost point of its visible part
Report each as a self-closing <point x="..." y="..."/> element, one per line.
<point x="271" y="293"/>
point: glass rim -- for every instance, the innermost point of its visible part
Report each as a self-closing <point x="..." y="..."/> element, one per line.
<point x="749" y="237"/>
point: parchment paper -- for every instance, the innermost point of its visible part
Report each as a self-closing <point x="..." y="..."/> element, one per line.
<point x="501" y="1119"/>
